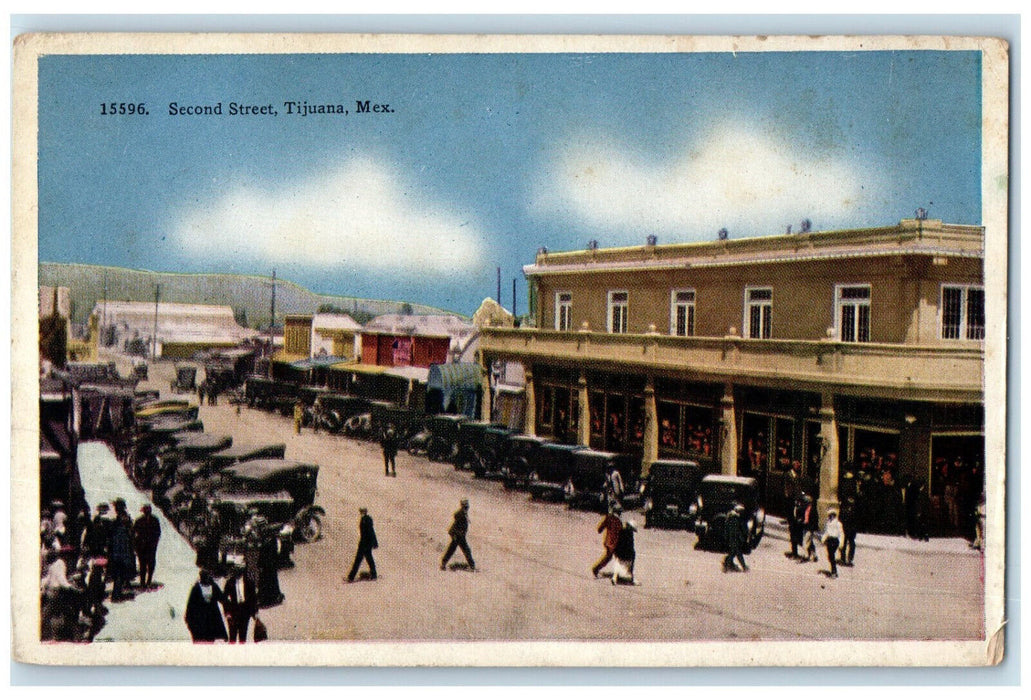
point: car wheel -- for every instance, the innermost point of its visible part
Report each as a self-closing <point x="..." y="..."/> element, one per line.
<point x="311" y="528"/>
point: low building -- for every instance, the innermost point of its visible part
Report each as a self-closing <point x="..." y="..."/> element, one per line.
<point x="851" y="354"/>
<point x="181" y="329"/>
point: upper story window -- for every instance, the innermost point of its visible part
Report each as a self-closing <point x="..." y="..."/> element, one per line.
<point x="852" y="315"/>
<point x="618" y="311"/>
<point x="681" y="314"/>
<point x="563" y="311"/>
<point x="962" y="312"/>
<point x="759" y="312"/>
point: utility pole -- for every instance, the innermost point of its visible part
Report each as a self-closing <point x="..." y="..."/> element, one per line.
<point x="154" y="340"/>
<point x="514" y="314"/>
<point x="499" y="286"/>
<point x="103" y="315"/>
<point x="272" y="314"/>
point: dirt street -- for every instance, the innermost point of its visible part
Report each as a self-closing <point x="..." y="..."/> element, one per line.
<point x="533" y="579"/>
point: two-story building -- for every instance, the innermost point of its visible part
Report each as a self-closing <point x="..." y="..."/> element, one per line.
<point x="844" y="352"/>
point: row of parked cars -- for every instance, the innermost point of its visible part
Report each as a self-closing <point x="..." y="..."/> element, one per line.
<point x="211" y="487"/>
<point x="675" y="493"/>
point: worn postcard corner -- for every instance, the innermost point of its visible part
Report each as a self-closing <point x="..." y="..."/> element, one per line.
<point x="509" y="351"/>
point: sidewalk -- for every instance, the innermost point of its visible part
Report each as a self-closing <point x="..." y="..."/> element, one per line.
<point x="155" y="615"/>
<point x="777" y="528"/>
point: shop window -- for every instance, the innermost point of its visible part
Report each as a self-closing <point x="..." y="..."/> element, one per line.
<point x="669" y="425"/>
<point x="636" y="421"/>
<point x="563" y="311"/>
<point x="962" y="312"/>
<point x="617" y="316"/>
<point x="681" y="321"/>
<point x="853" y="313"/>
<point x="759" y="312"/>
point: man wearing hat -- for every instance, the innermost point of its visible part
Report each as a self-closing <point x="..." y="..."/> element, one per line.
<point x="735" y="537"/>
<point x="458" y="530"/>
<point x="610" y="525"/>
<point x="240" y="603"/>
<point x="94" y="539"/>
<point x="366" y="543"/>
<point x="121" y="558"/>
<point x="833" y="534"/>
<point x="146" y="532"/>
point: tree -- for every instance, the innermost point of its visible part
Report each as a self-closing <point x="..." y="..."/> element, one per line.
<point x="53" y="339"/>
<point x="406" y="309"/>
<point x="240" y="314"/>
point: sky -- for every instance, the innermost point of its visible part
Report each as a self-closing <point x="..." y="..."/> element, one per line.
<point x="483" y="159"/>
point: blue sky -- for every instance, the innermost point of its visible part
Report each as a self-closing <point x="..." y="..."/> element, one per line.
<point x="485" y="158"/>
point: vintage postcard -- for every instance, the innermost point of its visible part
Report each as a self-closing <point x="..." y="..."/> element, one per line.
<point x="378" y="350"/>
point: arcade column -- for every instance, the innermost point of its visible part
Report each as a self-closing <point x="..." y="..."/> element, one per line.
<point x="530" y="413"/>
<point x="651" y="427"/>
<point x="583" y="424"/>
<point x="829" y="457"/>
<point x="728" y="432"/>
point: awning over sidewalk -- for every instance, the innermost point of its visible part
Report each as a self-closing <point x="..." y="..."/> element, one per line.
<point x="317" y="362"/>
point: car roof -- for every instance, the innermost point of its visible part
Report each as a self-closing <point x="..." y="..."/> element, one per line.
<point x="239" y="450"/>
<point x="264" y="468"/>
<point x="675" y="463"/>
<point x="727" y="479"/>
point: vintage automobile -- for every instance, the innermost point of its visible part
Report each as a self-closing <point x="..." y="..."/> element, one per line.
<point x="217" y="461"/>
<point x="270" y="394"/>
<point x="438" y="438"/>
<point x="472" y="451"/>
<point x="551" y="470"/>
<point x="198" y="445"/>
<point x="169" y="407"/>
<point x="717" y="495"/>
<point x="185" y="379"/>
<point x="334" y="410"/>
<point x="600" y="479"/>
<point x="283" y="491"/>
<point x="406" y="421"/>
<point x="670" y="489"/>
<point x="520" y="453"/>
<point x="139" y="369"/>
<point x="493" y="452"/>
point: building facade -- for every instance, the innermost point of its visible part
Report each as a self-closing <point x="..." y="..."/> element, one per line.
<point x="852" y="355"/>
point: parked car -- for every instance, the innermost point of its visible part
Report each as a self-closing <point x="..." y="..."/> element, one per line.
<point x="492" y="453"/>
<point x="334" y="410"/>
<point x="520" y="453"/>
<point x="478" y="445"/>
<point x="551" y="470"/>
<point x="670" y="490"/>
<point x="717" y="495"/>
<point x="599" y="479"/>
<point x="438" y="438"/>
<point x="266" y="481"/>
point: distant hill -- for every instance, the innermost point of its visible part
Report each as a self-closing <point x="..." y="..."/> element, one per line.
<point x="249" y="294"/>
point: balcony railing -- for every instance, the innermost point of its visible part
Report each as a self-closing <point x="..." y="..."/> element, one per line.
<point x="897" y="371"/>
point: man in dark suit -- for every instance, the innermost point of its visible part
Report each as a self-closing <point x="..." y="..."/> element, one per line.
<point x="241" y="604"/>
<point x="366" y="543"/>
<point x="458" y="530"/>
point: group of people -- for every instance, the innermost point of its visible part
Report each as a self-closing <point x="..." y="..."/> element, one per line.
<point x="79" y="560"/>
<point x="367" y="542"/>
<point x="211" y="390"/>
<point x="839" y="533"/>
<point x="224" y="613"/>
<point x="618" y="542"/>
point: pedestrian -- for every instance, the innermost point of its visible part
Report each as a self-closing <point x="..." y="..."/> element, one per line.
<point x="366" y="543"/>
<point x="795" y="518"/>
<point x="298" y="416"/>
<point x="625" y="555"/>
<point x="201" y="390"/>
<point x="979" y="523"/>
<point x="146" y="532"/>
<point x="736" y="536"/>
<point x="121" y="558"/>
<point x="203" y="616"/>
<point x="213" y="394"/>
<point x="241" y="603"/>
<point x="833" y="536"/>
<point x="810" y="526"/>
<point x="388" y="442"/>
<point x="848" y="518"/>
<point x="96" y="535"/>
<point x="611" y="525"/>
<point x="458" y="530"/>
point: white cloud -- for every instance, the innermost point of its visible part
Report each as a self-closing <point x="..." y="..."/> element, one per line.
<point x="733" y="176"/>
<point x="356" y="216"/>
